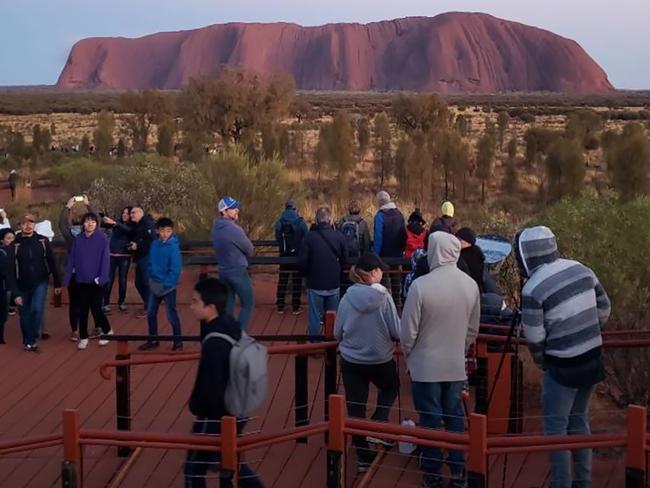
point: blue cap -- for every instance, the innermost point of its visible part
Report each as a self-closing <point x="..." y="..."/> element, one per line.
<point x="226" y="203"/>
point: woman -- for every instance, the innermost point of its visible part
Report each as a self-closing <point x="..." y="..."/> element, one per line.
<point x="8" y="285"/>
<point x="121" y="236"/>
<point x="367" y="326"/>
<point x="86" y="275"/>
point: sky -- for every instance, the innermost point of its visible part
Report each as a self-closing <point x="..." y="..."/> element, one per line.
<point x="36" y="35"/>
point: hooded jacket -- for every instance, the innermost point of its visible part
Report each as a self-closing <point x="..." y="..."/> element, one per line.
<point x="89" y="260"/>
<point x="232" y="246"/>
<point x="367" y="325"/>
<point x="165" y="262"/>
<point x="364" y="231"/>
<point x="441" y="316"/>
<point x="564" y="307"/>
<point x="34" y="261"/>
<point x="292" y="218"/>
<point x="389" y="232"/>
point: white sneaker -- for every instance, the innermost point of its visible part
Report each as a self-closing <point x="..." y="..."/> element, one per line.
<point x="83" y="344"/>
<point x="104" y="342"/>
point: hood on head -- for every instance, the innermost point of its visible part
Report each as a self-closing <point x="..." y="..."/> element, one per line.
<point x="534" y="247"/>
<point x="365" y="298"/>
<point x="290" y="215"/>
<point x="444" y="250"/>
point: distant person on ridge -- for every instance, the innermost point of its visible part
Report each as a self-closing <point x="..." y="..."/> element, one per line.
<point x="13" y="183"/>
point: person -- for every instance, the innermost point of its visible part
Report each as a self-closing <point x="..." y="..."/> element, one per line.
<point x="165" y="265"/>
<point x="86" y="275"/>
<point x="44" y="228"/>
<point x="34" y="264"/>
<point x="290" y="230"/>
<point x="446" y="222"/>
<point x="143" y="235"/>
<point x="390" y="239"/>
<point x="70" y="227"/>
<point x="207" y="401"/>
<point x="356" y="231"/>
<point x="367" y="326"/>
<point x="564" y="308"/>
<point x="472" y="256"/>
<point x="13" y="183"/>
<point x="121" y="232"/>
<point x="322" y="256"/>
<point x="8" y="286"/>
<point x="7" y="240"/>
<point x="439" y="323"/>
<point x="4" y="220"/>
<point x="233" y="249"/>
<point x="415" y="233"/>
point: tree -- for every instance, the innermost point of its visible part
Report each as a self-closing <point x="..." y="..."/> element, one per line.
<point x="463" y="125"/>
<point x="403" y="165"/>
<point x="145" y="109"/>
<point x="37" y="143"/>
<point x="297" y="147"/>
<point x="452" y="153"/>
<point x="121" y="148"/>
<point x="503" y="121"/>
<point x="53" y="128"/>
<point x="420" y="112"/>
<point x="512" y="148"/>
<point x="85" y="144"/>
<point x="628" y="161"/>
<point x="363" y="134"/>
<point x="565" y="168"/>
<point x="166" y="132"/>
<point x="103" y="134"/>
<point x="341" y="147"/>
<point x="382" y="149"/>
<point x="322" y="154"/>
<point x="510" y="181"/>
<point x="583" y="125"/>
<point x="16" y="147"/>
<point x="538" y="141"/>
<point x="301" y="109"/>
<point x="484" y="160"/>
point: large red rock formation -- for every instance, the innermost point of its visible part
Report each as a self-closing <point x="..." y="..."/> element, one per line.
<point x="454" y="52"/>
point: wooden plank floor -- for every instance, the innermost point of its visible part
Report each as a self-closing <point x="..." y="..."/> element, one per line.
<point x="36" y="388"/>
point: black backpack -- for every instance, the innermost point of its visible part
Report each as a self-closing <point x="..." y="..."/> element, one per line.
<point x="289" y="238"/>
<point x="350" y="231"/>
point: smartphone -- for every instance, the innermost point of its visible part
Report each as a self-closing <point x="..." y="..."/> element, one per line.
<point x="78" y="199"/>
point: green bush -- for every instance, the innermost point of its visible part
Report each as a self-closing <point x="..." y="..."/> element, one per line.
<point x="76" y="175"/>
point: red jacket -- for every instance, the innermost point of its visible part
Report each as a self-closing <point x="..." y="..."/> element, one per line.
<point x="414" y="241"/>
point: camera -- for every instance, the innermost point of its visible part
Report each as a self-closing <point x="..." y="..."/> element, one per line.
<point x="78" y="199"/>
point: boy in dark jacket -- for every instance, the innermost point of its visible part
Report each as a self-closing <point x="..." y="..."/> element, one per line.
<point x="164" y="274"/>
<point x="143" y="235"/>
<point x="322" y="255"/>
<point x="34" y="264"/>
<point x="290" y="230"/>
<point x="207" y="401"/>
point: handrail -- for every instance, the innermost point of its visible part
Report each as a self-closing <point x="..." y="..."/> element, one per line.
<point x="30" y="444"/>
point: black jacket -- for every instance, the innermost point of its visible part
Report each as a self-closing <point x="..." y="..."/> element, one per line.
<point x="144" y="233"/>
<point x="34" y="261"/>
<point x="208" y="396"/>
<point x="8" y="271"/>
<point x="121" y="236"/>
<point x="322" y="255"/>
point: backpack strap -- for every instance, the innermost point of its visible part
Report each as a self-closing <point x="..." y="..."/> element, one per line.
<point x="329" y="244"/>
<point x="219" y="335"/>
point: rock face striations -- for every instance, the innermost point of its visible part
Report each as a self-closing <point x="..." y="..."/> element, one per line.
<point x="449" y="53"/>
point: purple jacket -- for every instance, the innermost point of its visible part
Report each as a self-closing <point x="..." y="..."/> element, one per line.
<point x="89" y="259"/>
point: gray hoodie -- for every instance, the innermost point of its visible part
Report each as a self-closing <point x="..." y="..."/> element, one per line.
<point x="231" y="246"/>
<point x="441" y="316"/>
<point x="367" y="325"/>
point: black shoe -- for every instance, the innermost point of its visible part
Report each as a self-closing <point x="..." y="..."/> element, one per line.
<point x="432" y="481"/>
<point x="148" y="346"/>
<point x="178" y="346"/>
<point x="45" y="335"/>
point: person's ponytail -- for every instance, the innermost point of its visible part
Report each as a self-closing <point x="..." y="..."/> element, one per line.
<point x="360" y="276"/>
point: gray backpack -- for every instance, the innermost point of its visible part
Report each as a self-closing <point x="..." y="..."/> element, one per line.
<point x="248" y="382"/>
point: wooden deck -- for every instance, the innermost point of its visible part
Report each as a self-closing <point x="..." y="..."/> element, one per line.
<point x="36" y="388"/>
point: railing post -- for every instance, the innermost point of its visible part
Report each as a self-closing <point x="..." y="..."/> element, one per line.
<point x="301" y="407"/>
<point x="71" y="468"/>
<point x="229" y="462"/>
<point x="123" y="394"/>
<point x="635" y="468"/>
<point x="477" y="462"/>
<point x="336" y="442"/>
<point x="330" y="361"/>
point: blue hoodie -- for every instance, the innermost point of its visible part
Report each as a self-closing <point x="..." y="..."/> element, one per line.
<point x="231" y="246"/>
<point x="165" y="262"/>
<point x="291" y="217"/>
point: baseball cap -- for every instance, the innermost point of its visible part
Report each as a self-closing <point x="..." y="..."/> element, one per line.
<point x="226" y="203"/>
<point x="370" y="261"/>
<point x="27" y="218"/>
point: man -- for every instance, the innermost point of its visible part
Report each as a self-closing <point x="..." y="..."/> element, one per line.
<point x="165" y="265"/>
<point x="207" y="401"/>
<point x="34" y="264"/>
<point x="390" y="239"/>
<point x="446" y="222"/>
<point x="439" y="323"/>
<point x="322" y="255"/>
<point x="564" y="308"/>
<point x="290" y="230"/>
<point x="13" y="182"/>
<point x="143" y="235"/>
<point x="358" y="229"/>
<point x="233" y="249"/>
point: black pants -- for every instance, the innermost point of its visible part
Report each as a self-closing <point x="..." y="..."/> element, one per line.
<point x="289" y="272"/>
<point x="198" y="463"/>
<point x="73" y="308"/>
<point x="142" y="279"/>
<point x="4" y="312"/>
<point x="357" y="379"/>
<point x="120" y="267"/>
<point x="89" y="297"/>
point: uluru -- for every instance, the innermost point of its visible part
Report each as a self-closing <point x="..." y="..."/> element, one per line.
<point x="449" y="53"/>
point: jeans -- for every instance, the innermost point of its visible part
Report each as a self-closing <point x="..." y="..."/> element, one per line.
<point x="31" y="313"/>
<point x="439" y="403"/>
<point x="142" y="279"/>
<point x="198" y="463"/>
<point x="357" y="379"/>
<point x="120" y="266"/>
<point x="239" y="283"/>
<point x="289" y="272"/>
<point x="90" y="300"/>
<point x="170" y="308"/>
<point x="318" y="305"/>
<point x="566" y="411"/>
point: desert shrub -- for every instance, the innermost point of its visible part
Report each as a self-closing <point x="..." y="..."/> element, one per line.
<point x="75" y="175"/>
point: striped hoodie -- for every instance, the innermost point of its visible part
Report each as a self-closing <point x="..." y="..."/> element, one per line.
<point x="564" y="305"/>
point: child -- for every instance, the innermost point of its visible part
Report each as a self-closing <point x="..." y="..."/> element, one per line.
<point x="164" y="274"/>
<point x="415" y="233"/>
